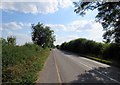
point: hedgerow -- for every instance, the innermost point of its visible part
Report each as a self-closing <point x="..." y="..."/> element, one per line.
<point x="89" y="47"/>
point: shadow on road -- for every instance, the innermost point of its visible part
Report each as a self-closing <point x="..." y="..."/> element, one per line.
<point x="71" y="53"/>
<point x="98" y="75"/>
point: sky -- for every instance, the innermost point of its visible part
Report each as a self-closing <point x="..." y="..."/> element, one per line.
<point x="17" y="17"/>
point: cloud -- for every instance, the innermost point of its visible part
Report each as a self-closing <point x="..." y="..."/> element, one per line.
<point x="80" y="25"/>
<point x="75" y="26"/>
<point x="96" y="32"/>
<point x="15" y="25"/>
<point x="84" y="28"/>
<point x="21" y="38"/>
<point x="0" y="26"/>
<point x="11" y="25"/>
<point x="65" y="3"/>
<point x="61" y="40"/>
<point x="57" y="27"/>
<point x="76" y="29"/>
<point x="42" y="6"/>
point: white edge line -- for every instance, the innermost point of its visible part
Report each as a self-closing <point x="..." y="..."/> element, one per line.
<point x="99" y="72"/>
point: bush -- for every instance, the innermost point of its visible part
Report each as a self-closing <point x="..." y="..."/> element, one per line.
<point x="90" y="47"/>
<point x="82" y="46"/>
<point x="21" y="63"/>
<point x="111" y="51"/>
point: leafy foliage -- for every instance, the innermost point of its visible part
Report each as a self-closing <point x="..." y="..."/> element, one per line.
<point x="58" y="46"/>
<point x="42" y="35"/>
<point x="82" y="46"/>
<point x="92" y="48"/>
<point x="11" y="40"/>
<point x="108" y="15"/>
<point x="20" y="64"/>
<point x="3" y="41"/>
<point x="111" y="51"/>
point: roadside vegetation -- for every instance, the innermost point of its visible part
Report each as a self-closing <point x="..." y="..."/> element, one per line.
<point x="108" y="16"/>
<point x="21" y="64"/>
<point x="103" y="52"/>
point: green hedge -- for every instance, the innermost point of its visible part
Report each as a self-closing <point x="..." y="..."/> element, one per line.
<point x="90" y="47"/>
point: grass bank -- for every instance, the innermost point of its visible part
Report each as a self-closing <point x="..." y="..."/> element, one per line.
<point x="20" y="64"/>
<point x="101" y="60"/>
<point x="105" y="61"/>
<point x="109" y="62"/>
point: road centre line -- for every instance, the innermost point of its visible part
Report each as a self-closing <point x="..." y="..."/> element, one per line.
<point x="59" y="78"/>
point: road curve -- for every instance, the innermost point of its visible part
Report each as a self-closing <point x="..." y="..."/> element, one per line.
<point x="65" y="67"/>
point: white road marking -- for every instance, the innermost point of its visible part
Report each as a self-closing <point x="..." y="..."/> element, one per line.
<point x="96" y="71"/>
<point x="96" y="62"/>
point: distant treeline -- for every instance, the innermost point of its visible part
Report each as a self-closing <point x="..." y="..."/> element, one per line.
<point x="90" y="47"/>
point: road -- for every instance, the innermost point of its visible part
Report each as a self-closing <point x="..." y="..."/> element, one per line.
<point x="65" y="67"/>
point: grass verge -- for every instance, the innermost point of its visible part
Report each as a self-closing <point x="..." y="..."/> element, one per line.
<point x="20" y="64"/>
<point x="101" y="60"/>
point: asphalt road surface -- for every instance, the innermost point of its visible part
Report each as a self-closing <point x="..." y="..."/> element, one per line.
<point x="65" y="67"/>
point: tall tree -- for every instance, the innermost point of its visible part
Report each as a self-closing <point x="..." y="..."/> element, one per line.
<point x="3" y="41"/>
<point x="11" y="40"/>
<point x="108" y="15"/>
<point x="42" y="35"/>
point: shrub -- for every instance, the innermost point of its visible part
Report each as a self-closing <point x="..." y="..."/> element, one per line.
<point x="90" y="47"/>
<point x="111" y="51"/>
<point x="21" y="63"/>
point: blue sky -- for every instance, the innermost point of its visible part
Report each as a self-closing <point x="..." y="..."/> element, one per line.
<point x="17" y="18"/>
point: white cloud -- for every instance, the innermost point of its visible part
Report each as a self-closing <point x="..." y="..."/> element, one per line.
<point x="21" y="39"/>
<point x="11" y="25"/>
<point x="91" y="30"/>
<point x="0" y="26"/>
<point x="57" y="27"/>
<point x="65" y="3"/>
<point x="80" y="25"/>
<point x="96" y="32"/>
<point x="76" y="29"/>
<point x="15" y="25"/>
<point x="42" y="6"/>
<point x="75" y="26"/>
<point x="8" y="29"/>
<point x="60" y="40"/>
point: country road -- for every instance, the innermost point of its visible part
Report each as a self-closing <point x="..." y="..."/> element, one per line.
<point x="64" y="67"/>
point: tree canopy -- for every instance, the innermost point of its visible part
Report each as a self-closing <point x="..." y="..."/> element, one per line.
<point x="3" y="41"/>
<point x="108" y="15"/>
<point x="11" y="40"/>
<point x="85" y="47"/>
<point x="42" y="35"/>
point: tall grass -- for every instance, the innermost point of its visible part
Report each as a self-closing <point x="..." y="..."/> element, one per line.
<point x="20" y="64"/>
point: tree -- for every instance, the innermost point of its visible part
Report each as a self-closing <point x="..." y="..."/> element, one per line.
<point x="42" y="35"/>
<point x="108" y="15"/>
<point x="58" y="46"/>
<point x="11" y="40"/>
<point x="3" y="41"/>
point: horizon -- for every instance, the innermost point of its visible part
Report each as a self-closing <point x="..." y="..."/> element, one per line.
<point x="59" y="15"/>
